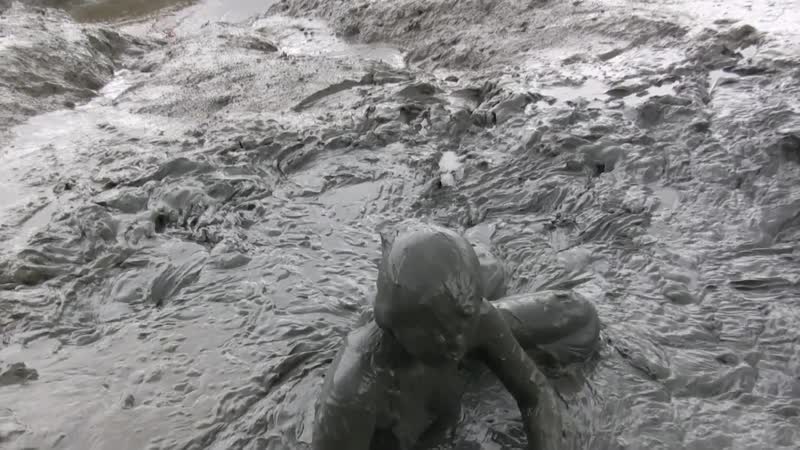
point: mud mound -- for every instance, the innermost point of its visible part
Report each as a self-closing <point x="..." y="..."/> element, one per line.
<point x="49" y="62"/>
<point x="479" y="33"/>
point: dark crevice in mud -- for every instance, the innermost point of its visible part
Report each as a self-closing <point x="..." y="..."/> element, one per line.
<point x="789" y="145"/>
<point x="372" y="78"/>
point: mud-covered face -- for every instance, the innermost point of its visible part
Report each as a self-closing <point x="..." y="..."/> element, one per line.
<point x="429" y="293"/>
<point x="437" y="332"/>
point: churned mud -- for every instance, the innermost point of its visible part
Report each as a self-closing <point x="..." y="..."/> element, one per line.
<point x="191" y="194"/>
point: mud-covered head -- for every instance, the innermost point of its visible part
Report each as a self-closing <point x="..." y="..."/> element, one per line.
<point x="429" y="292"/>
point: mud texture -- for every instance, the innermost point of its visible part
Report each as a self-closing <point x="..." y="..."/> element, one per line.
<point x="50" y="62"/>
<point x="185" y="247"/>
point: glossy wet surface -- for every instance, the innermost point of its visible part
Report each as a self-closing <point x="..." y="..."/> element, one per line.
<point x="113" y="10"/>
<point x="189" y="207"/>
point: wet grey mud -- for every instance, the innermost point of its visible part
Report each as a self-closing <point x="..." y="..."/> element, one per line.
<point x="191" y="199"/>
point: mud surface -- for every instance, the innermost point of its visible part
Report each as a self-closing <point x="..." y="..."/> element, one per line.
<point x="189" y="207"/>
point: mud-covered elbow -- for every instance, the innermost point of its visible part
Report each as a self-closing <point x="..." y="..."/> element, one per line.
<point x="529" y="394"/>
<point x="527" y="401"/>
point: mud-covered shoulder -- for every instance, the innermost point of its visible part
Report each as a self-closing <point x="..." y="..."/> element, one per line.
<point x="346" y="409"/>
<point x="351" y="378"/>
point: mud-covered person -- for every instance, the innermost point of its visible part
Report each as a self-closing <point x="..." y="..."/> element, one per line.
<point x="397" y="379"/>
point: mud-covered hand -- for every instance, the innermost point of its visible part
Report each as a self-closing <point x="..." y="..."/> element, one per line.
<point x="542" y="423"/>
<point x="345" y="415"/>
<point x="519" y="374"/>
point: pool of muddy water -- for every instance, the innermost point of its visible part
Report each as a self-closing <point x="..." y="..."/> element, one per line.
<point x="114" y="10"/>
<point x="191" y="194"/>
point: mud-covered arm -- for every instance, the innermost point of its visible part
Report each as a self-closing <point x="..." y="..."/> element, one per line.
<point x="343" y="427"/>
<point x="345" y="415"/>
<point x="518" y="373"/>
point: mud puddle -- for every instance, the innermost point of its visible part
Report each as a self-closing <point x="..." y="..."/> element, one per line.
<point x="115" y="10"/>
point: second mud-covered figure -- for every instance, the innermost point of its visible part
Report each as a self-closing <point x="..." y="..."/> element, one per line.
<point x="398" y="377"/>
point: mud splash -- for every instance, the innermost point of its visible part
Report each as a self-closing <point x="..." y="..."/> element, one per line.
<point x="187" y="244"/>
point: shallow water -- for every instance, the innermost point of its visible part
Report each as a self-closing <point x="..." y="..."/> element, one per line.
<point x="186" y="243"/>
<point x="114" y="10"/>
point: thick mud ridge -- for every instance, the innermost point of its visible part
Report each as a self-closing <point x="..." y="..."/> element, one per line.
<point x="188" y="240"/>
<point x="50" y="62"/>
